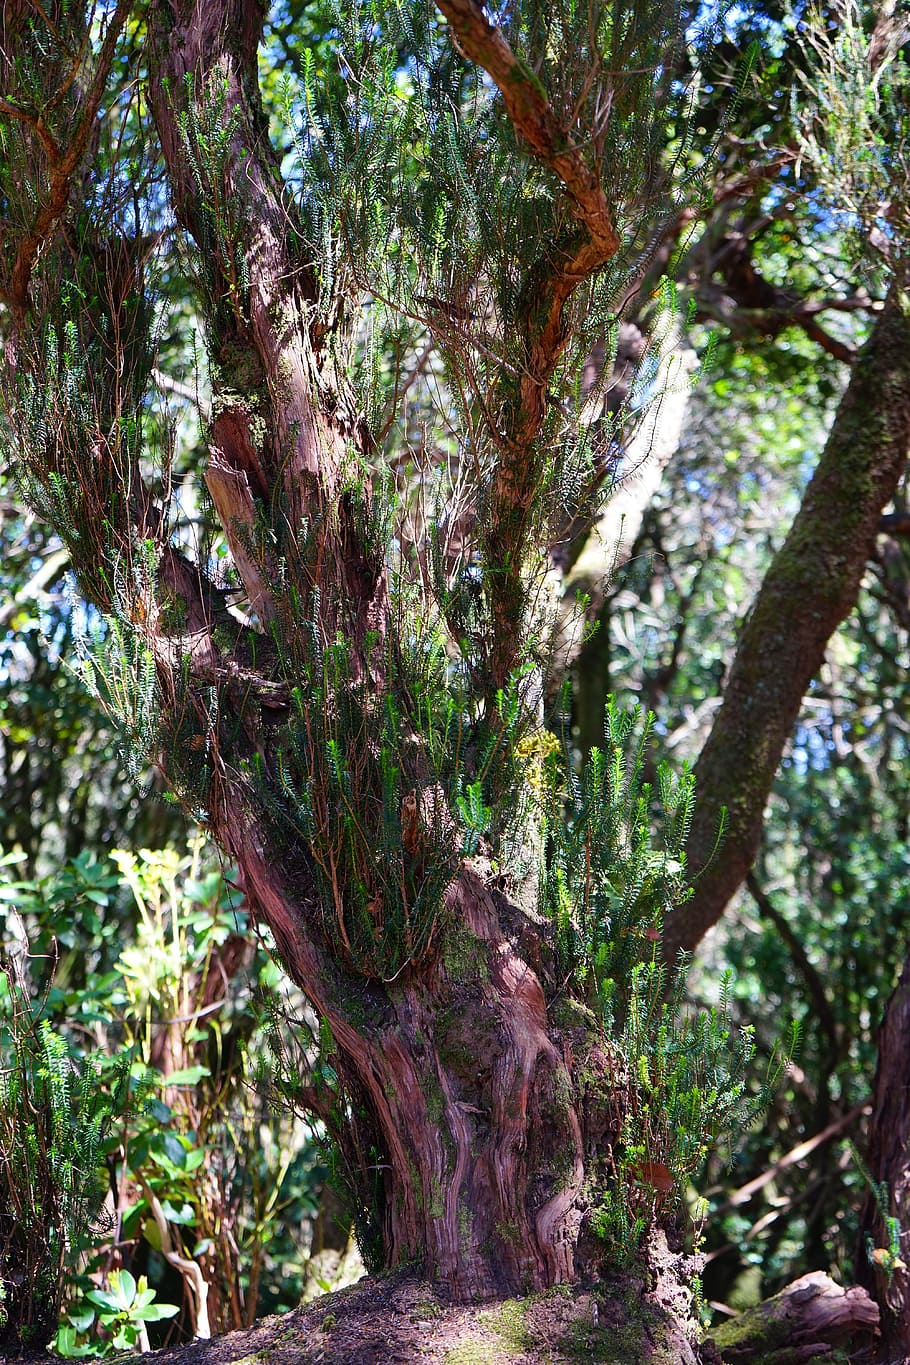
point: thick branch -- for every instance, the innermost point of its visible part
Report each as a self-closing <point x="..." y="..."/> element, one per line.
<point x="261" y="345"/>
<point x="280" y="440"/>
<point x="533" y="119"/>
<point x="811" y="587"/>
<point x="889" y="1164"/>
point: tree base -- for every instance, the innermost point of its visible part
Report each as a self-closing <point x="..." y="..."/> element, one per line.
<point x="400" y="1319"/>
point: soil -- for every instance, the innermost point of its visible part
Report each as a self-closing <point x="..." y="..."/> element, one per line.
<point x="399" y="1319"/>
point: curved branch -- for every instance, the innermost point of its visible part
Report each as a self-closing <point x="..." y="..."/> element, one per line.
<point x="63" y="166"/>
<point x="533" y="119"/>
<point x="812" y="586"/>
<point x="518" y="474"/>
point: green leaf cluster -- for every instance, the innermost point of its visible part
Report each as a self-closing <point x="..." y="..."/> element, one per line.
<point x="682" y="1078"/>
<point x="57" y="1112"/>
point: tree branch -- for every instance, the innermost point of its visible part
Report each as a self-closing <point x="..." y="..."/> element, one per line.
<point x="527" y="106"/>
<point x="517" y="477"/>
<point x="278" y="432"/>
<point x="791" y="1158"/>
<point x="811" y="586"/>
<point x="63" y="166"/>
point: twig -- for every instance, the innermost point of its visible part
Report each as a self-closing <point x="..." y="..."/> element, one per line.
<point x="190" y="1271"/>
<point x="801" y="961"/>
<point x="796" y="1154"/>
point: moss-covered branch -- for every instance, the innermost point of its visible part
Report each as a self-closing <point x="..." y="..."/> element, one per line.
<point x="811" y="587"/>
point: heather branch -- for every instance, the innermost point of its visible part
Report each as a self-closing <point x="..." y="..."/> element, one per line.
<point x="528" y="108"/>
<point x="518" y="475"/>
<point x="533" y="119"/>
<point x="63" y="165"/>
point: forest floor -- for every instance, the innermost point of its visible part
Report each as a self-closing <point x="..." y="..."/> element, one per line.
<point x="399" y="1319"/>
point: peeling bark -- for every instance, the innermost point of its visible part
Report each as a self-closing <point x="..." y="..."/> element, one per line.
<point x="279" y="434"/>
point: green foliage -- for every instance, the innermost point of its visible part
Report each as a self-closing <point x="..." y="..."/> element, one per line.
<point x="396" y="756"/>
<point x="387" y="823"/>
<point x="194" y="1158"/>
<point x="852" y="113"/>
<point x="57" y="1113"/>
<point x="682" y="1077"/>
<point x="610" y="883"/>
<point x="834" y="844"/>
<point x="433" y="235"/>
<point x="121" y="1313"/>
<point x="686" y="1092"/>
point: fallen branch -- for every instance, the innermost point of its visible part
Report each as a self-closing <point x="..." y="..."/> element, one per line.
<point x="805" y="1320"/>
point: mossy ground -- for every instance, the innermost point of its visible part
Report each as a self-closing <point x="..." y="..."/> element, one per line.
<point x="398" y="1319"/>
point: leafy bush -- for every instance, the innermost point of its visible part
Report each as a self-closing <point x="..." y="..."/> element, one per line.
<point x="209" y="1188"/>
<point x="57" y="1110"/>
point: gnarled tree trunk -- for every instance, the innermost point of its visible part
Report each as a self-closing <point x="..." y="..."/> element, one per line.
<point x="465" y="1103"/>
<point x="483" y="1116"/>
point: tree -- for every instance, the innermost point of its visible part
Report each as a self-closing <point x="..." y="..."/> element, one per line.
<point x="429" y="287"/>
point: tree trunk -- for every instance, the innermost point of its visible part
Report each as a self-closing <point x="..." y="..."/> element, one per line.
<point x="476" y="1102"/>
<point x="467" y="1118"/>
<point x="480" y="1117"/>
<point x="811" y="586"/>
<point x="888" y="1158"/>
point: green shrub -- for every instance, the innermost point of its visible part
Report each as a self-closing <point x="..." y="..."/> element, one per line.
<point x="56" y="1111"/>
<point x="681" y="1079"/>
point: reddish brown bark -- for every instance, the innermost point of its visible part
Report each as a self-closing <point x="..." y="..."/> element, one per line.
<point x="593" y="242"/>
<point x="475" y="1123"/>
<point x="481" y="1131"/>
<point x="464" y="1100"/>
<point x="279" y="435"/>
